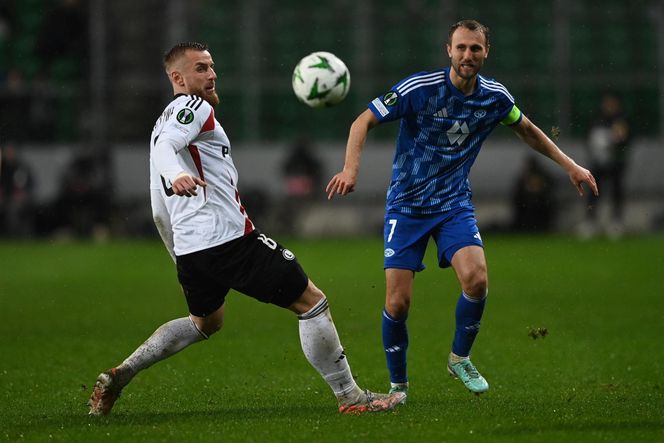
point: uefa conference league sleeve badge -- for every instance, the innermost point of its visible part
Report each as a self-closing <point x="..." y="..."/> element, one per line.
<point x="185" y="116"/>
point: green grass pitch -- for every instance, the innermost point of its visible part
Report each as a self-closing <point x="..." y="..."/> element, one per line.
<point x="69" y="311"/>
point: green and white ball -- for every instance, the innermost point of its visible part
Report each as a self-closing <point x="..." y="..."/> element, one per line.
<point x="321" y="80"/>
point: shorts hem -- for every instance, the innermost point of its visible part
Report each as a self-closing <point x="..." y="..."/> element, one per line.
<point x="405" y="267"/>
<point x="454" y="248"/>
<point x="283" y="302"/>
<point x="213" y="310"/>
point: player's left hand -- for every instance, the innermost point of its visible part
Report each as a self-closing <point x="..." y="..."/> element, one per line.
<point x="185" y="185"/>
<point x="580" y="175"/>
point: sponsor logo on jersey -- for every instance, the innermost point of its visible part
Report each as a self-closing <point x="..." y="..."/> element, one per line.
<point x="288" y="255"/>
<point x="185" y="116"/>
<point x="390" y="99"/>
<point x="479" y="113"/>
<point x="478" y="236"/>
<point x="389" y="252"/>
<point x="458" y="133"/>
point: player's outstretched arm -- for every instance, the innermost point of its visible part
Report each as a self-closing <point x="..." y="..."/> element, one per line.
<point x="165" y="160"/>
<point x="344" y="182"/>
<point x="537" y="139"/>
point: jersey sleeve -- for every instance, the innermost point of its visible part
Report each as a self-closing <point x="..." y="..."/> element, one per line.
<point x="190" y="118"/>
<point x="404" y="98"/>
<point x="162" y="221"/>
<point x="508" y="112"/>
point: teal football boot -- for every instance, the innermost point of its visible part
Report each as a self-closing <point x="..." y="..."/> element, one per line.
<point x="468" y="374"/>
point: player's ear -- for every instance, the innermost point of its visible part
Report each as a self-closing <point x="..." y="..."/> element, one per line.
<point x="177" y="78"/>
<point x="449" y="50"/>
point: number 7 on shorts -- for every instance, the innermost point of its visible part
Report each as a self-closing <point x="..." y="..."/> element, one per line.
<point x="393" y="222"/>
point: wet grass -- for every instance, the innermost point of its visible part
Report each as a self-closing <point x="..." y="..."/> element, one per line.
<point x="70" y="311"/>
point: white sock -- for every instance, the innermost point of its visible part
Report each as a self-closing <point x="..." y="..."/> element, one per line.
<point x="454" y="359"/>
<point x="321" y="346"/>
<point x="167" y="340"/>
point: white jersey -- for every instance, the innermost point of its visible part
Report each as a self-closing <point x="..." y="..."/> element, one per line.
<point x="216" y="215"/>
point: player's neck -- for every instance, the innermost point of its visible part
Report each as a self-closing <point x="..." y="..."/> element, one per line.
<point x="465" y="85"/>
<point x="180" y="91"/>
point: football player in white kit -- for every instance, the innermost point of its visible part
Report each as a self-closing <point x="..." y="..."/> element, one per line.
<point x="200" y="217"/>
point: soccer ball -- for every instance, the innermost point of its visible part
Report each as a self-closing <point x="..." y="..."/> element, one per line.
<point x="321" y="79"/>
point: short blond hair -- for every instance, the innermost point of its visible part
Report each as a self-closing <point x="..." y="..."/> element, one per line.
<point x="178" y="50"/>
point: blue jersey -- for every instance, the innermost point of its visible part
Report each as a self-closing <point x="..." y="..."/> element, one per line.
<point x="440" y="136"/>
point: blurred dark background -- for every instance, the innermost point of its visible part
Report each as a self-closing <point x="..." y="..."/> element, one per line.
<point x="81" y="85"/>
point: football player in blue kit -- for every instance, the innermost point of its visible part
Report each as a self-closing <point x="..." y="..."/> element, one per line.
<point x="445" y="117"/>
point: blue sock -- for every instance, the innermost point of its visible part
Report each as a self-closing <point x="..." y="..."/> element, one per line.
<point x="395" y="342"/>
<point x="468" y="315"/>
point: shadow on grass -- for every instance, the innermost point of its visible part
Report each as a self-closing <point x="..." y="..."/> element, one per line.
<point x="41" y="422"/>
<point x="247" y="413"/>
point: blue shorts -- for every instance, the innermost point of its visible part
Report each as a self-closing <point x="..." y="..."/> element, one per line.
<point x="406" y="236"/>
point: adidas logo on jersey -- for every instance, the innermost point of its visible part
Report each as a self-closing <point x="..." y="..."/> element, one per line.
<point x="442" y="112"/>
<point x="458" y="133"/>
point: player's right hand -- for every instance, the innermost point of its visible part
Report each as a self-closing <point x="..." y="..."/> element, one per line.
<point x="185" y="185"/>
<point x="343" y="183"/>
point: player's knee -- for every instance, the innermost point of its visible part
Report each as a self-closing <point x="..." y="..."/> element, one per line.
<point x="309" y="298"/>
<point x="476" y="286"/>
<point x="314" y="293"/>
<point x="474" y="281"/>
<point x="397" y="305"/>
<point x="209" y="325"/>
<point x="210" y="328"/>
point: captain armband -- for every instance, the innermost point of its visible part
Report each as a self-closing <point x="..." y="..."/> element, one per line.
<point x="513" y="117"/>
